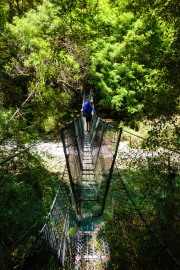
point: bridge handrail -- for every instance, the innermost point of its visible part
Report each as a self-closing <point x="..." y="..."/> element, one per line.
<point x="45" y="139"/>
<point x="170" y="149"/>
<point x="72" y="122"/>
<point x="17" y="154"/>
<point x="47" y="219"/>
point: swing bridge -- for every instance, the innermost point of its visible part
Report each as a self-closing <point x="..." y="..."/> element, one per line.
<point x="106" y="196"/>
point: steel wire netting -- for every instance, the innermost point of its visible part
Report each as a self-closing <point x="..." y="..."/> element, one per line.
<point x="54" y="248"/>
<point x="139" y="246"/>
<point x="92" y="252"/>
<point x="145" y="193"/>
<point x="105" y="140"/>
<point x="72" y="138"/>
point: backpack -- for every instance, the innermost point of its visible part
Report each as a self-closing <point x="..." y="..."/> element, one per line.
<point x="86" y="109"/>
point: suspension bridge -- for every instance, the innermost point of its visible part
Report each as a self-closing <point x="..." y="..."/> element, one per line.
<point x="102" y="184"/>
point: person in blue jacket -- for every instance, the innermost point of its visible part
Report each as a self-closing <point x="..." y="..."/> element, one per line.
<point x="88" y="108"/>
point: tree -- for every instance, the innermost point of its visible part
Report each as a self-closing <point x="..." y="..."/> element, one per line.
<point x="18" y="7"/>
<point x="44" y="66"/>
<point x="130" y="65"/>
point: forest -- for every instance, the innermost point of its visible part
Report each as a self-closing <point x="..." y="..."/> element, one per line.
<point x="126" y="51"/>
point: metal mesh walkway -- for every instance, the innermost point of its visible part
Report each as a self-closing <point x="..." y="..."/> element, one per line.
<point x="89" y="197"/>
<point x="92" y="250"/>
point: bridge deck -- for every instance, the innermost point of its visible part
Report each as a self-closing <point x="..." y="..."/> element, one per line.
<point x="89" y="199"/>
<point x="92" y="251"/>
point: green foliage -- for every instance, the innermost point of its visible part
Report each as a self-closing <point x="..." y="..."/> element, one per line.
<point x="164" y="132"/>
<point x="42" y="69"/>
<point x="27" y="191"/>
<point x="18" y="8"/>
<point x="72" y="231"/>
<point x="126" y="69"/>
<point x="2" y="18"/>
